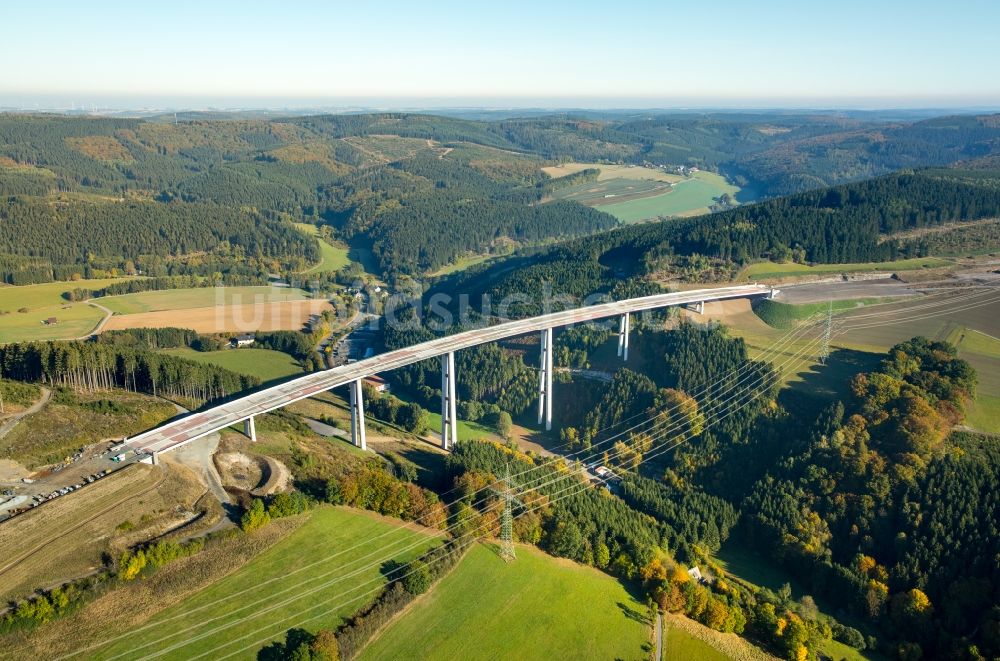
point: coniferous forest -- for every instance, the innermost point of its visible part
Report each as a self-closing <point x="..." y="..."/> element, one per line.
<point x="422" y="191"/>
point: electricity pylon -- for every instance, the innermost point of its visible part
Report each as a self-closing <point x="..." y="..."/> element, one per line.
<point x="825" y="351"/>
<point x="507" y="520"/>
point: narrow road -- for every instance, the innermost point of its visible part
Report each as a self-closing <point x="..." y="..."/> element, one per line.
<point x="197" y="455"/>
<point x="659" y="637"/>
<point x="324" y="429"/>
<point x="594" y="375"/>
<point x="100" y="325"/>
<point x="12" y="421"/>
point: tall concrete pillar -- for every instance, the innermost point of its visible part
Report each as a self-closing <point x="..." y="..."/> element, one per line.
<point x="624" y="327"/>
<point x="548" y="381"/>
<point x="701" y="307"/>
<point x="545" y="379"/>
<point x="250" y="429"/>
<point x="358" y="415"/>
<point x="449" y="417"/>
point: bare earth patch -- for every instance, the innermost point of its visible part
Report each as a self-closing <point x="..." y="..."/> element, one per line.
<point x="282" y="315"/>
<point x="66" y="537"/>
<point x="239" y="471"/>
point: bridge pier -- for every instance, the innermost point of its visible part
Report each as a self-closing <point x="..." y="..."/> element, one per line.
<point x="358" y="415"/>
<point x="624" y="327"/>
<point x="545" y="380"/>
<point x="449" y="418"/>
<point x="250" y="429"/>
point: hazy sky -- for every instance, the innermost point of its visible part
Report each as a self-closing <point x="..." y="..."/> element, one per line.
<point x="625" y="53"/>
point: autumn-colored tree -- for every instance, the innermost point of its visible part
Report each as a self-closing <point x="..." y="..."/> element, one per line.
<point x="715" y="614"/>
<point x="876" y="596"/>
<point x="910" y="612"/>
<point x="324" y="646"/>
<point x="920" y="429"/>
<point x="256" y="517"/>
<point x="669" y="597"/>
<point x="654" y="570"/>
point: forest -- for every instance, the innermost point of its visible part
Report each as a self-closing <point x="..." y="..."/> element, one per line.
<point x="850" y="223"/>
<point x="131" y="237"/>
<point x="874" y="503"/>
<point x="885" y="511"/>
<point x="422" y="191"/>
<point x="92" y="366"/>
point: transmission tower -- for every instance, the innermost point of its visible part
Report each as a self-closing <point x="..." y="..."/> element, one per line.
<point x="507" y="520"/>
<point x="825" y="351"/>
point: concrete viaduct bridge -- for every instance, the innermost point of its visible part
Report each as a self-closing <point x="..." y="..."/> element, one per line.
<point x="179" y="431"/>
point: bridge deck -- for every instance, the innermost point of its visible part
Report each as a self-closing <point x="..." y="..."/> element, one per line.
<point x="178" y="431"/>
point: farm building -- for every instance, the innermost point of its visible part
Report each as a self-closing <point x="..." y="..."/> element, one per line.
<point x="244" y="340"/>
<point x="377" y="382"/>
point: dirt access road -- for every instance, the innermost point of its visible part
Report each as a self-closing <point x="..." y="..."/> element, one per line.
<point x="11" y="422"/>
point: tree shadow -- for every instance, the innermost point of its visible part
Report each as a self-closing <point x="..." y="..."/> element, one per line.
<point x="432" y="472"/>
<point x="820" y="385"/>
<point x="391" y="570"/>
<point x="634" y="614"/>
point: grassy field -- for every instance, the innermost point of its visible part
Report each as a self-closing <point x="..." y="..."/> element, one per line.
<point x="70" y="421"/>
<point x="44" y="301"/>
<point x="785" y="315"/>
<point x="467" y="431"/>
<point x="200" y="297"/>
<point x="679" y="645"/>
<point x="632" y="194"/>
<point x="770" y="270"/>
<point x="331" y="590"/>
<point x="973" y="327"/>
<point x="977" y="342"/>
<point x="983" y="353"/>
<point x="536" y="607"/>
<point x="332" y="258"/>
<point x="690" y="197"/>
<point x="460" y="264"/>
<point x="265" y="364"/>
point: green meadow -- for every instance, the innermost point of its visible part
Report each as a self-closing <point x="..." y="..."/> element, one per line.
<point x="537" y="607"/>
<point x="256" y="604"/>
<point x="265" y="364"/>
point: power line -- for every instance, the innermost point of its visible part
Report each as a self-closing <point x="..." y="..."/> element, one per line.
<point x="773" y="347"/>
<point x="357" y="598"/>
<point x="576" y="484"/>
<point x="890" y="322"/>
<point x="788" y="336"/>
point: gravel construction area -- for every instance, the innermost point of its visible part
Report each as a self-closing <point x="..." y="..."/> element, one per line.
<point x="66" y="537"/>
<point x="839" y="291"/>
